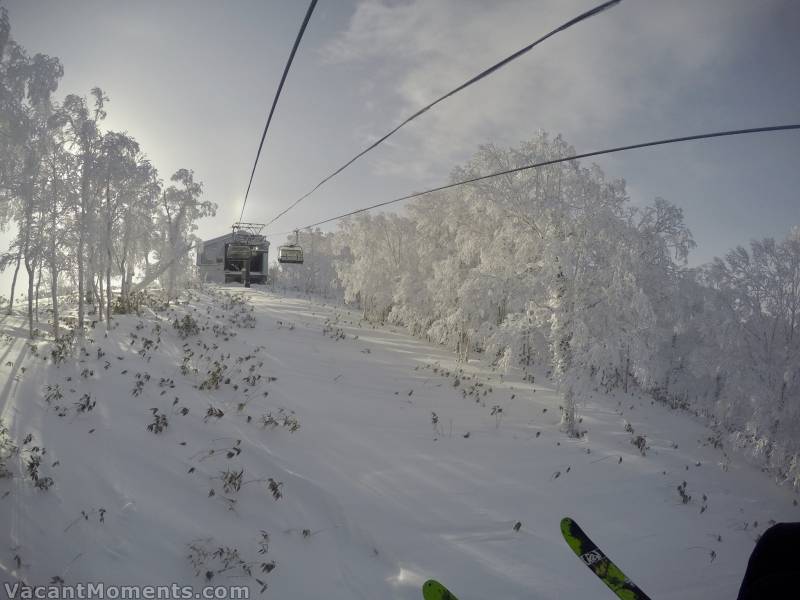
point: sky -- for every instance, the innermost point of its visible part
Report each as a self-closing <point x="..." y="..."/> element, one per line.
<point x="192" y="81"/>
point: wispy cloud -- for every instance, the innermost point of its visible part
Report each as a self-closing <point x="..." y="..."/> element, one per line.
<point x="591" y="79"/>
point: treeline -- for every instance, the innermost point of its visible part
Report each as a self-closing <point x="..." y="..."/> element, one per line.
<point x="555" y="269"/>
<point x="89" y="209"/>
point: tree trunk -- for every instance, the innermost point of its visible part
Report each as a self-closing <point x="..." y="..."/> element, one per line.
<point x="54" y="295"/>
<point x="53" y="260"/>
<point x="109" y="297"/>
<point x="30" y="265"/>
<point x="128" y="283"/>
<point x="31" y="270"/>
<point x="81" y="297"/>
<point x="14" y="282"/>
<point x="38" y="287"/>
<point x="108" y="254"/>
<point x="85" y="175"/>
<point x="172" y="274"/>
<point x="568" y="418"/>
<point x="158" y="269"/>
<point x="101" y="297"/>
<point x="123" y="283"/>
<point x="123" y="276"/>
<point x="627" y="368"/>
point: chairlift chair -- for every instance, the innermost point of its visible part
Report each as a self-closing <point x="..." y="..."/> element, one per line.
<point x="291" y="253"/>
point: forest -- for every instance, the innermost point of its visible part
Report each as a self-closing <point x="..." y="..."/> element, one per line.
<point x="556" y="269"/>
<point x="87" y="205"/>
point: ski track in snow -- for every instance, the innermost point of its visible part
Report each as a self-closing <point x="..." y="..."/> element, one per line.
<point x="388" y="501"/>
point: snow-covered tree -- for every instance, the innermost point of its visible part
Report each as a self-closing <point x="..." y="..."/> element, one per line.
<point x="551" y="266"/>
<point x="755" y="310"/>
<point x="317" y="273"/>
<point x="180" y="209"/>
<point x="86" y="205"/>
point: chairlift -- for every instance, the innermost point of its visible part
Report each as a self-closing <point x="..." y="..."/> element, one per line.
<point x="291" y="253"/>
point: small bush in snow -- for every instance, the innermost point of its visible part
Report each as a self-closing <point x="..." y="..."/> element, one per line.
<point x="232" y="480"/>
<point x="497" y="413"/>
<point x="685" y="497"/>
<point x="101" y="512"/>
<point x="641" y="443"/>
<point x="85" y="404"/>
<point x="141" y="379"/>
<point x="7" y="450"/>
<point x="275" y="488"/>
<point x="186" y="327"/>
<point x="214" y="377"/>
<point x="209" y="561"/>
<point x="32" y="465"/>
<point x="282" y="419"/>
<point x="62" y="347"/>
<point x="213" y="412"/>
<point x="435" y="423"/>
<point x="160" y="422"/>
<point x="53" y="393"/>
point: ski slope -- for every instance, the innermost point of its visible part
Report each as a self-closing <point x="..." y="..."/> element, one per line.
<point x="374" y="498"/>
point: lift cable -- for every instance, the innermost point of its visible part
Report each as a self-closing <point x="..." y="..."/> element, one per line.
<point x="687" y="138"/>
<point x="275" y="100"/>
<point x="475" y="79"/>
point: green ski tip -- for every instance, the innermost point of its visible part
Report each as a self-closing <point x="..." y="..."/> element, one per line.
<point x="602" y="566"/>
<point x="433" y="590"/>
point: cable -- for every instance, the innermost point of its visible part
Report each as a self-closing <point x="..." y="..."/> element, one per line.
<point x="275" y="100"/>
<point x="687" y="138"/>
<point x="475" y="79"/>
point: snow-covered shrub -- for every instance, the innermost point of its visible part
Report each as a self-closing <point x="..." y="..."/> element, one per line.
<point x="282" y="418"/>
<point x="209" y="560"/>
<point x="187" y="326"/>
<point x="62" y="347"/>
<point x="7" y="450"/>
<point x="160" y="422"/>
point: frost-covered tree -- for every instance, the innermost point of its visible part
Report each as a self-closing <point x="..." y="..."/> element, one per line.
<point x="134" y="235"/>
<point x="551" y="266"/>
<point x="317" y="273"/>
<point x="756" y="309"/>
<point x="29" y="83"/>
<point x="86" y="205"/>
<point x="180" y="209"/>
<point x="116" y="174"/>
<point x="376" y="246"/>
<point x="60" y="198"/>
<point x="81" y="125"/>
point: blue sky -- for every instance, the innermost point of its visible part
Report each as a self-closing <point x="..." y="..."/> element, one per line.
<point x="192" y="81"/>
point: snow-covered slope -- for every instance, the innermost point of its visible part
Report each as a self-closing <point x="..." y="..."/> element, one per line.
<point x="369" y="497"/>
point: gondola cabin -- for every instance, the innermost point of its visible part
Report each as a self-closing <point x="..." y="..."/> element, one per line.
<point x="226" y="259"/>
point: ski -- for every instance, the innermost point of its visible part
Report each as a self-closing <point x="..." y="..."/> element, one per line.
<point x="433" y="590"/>
<point x="599" y="563"/>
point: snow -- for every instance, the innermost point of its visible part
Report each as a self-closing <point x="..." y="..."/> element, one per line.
<point x="386" y="499"/>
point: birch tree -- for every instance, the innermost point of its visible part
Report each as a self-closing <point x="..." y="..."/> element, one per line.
<point x="181" y="207"/>
<point x="82" y="128"/>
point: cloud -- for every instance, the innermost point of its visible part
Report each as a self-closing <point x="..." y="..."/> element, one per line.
<point x="627" y="64"/>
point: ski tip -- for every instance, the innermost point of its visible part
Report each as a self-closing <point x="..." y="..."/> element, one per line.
<point x="433" y="590"/>
<point x="566" y="523"/>
<point x="430" y="588"/>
